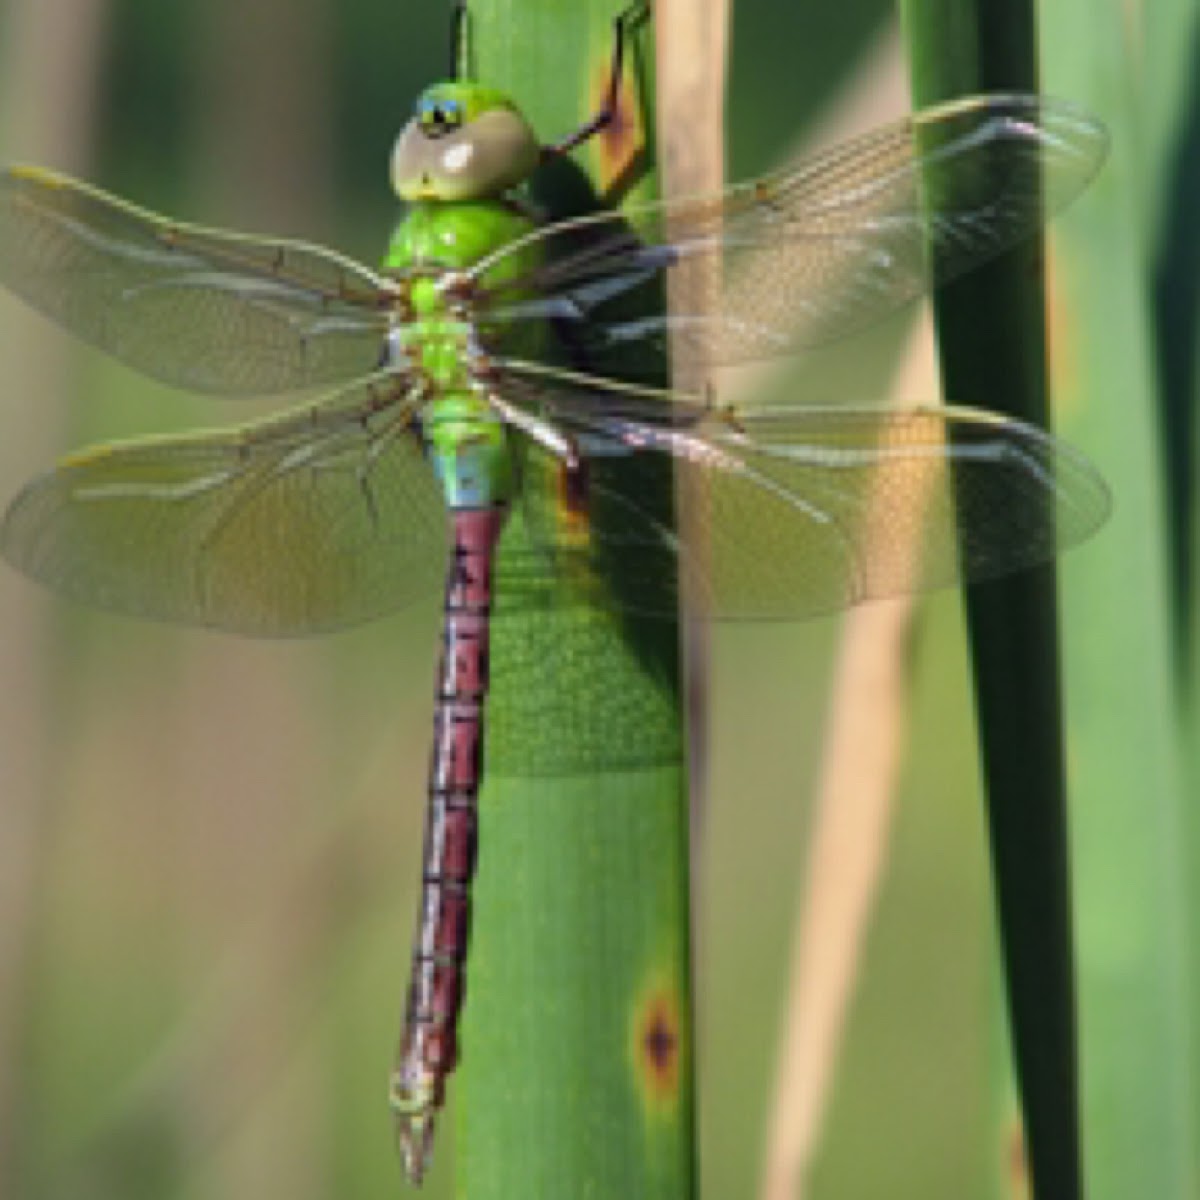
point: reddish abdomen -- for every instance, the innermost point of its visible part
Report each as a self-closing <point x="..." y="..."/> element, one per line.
<point x="429" y="1046"/>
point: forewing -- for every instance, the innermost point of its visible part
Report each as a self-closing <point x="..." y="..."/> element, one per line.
<point x="815" y="251"/>
<point x="319" y="519"/>
<point x="801" y="511"/>
<point x="193" y="307"/>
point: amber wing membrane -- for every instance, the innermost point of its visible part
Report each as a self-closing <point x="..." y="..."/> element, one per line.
<point x="312" y="521"/>
<point x="820" y="249"/>
<point x="800" y="511"/>
<point x="196" y="308"/>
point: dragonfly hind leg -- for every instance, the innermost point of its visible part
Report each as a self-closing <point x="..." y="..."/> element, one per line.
<point x="561" y="445"/>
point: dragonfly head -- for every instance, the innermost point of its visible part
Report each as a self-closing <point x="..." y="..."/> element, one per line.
<point x="464" y="142"/>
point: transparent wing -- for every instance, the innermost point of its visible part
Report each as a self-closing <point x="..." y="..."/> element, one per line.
<point x="801" y="511"/>
<point x="319" y="519"/>
<point x="817" y="250"/>
<point x="195" y="308"/>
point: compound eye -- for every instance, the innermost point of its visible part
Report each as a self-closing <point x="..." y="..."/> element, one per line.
<point x="439" y="117"/>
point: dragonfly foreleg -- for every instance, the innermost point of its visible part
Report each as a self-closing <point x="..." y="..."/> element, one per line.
<point x="608" y="110"/>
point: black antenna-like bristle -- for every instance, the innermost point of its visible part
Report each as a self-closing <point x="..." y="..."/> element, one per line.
<point x="458" y="41"/>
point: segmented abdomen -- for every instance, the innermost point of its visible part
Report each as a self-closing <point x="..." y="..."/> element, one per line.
<point x="429" y="1045"/>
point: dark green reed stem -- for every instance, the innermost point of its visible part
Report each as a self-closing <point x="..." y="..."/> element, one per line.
<point x="1126" y="267"/>
<point x="991" y="333"/>
<point x="576" y="1075"/>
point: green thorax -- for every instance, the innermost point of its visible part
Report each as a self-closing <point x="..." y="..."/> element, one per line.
<point x="453" y="236"/>
<point x="465" y="439"/>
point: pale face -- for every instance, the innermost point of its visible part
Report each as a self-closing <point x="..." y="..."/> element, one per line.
<point x="464" y="143"/>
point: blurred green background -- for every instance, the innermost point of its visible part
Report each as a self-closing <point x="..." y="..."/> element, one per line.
<point x="209" y="847"/>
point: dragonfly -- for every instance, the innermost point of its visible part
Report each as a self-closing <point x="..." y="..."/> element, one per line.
<point x="447" y="443"/>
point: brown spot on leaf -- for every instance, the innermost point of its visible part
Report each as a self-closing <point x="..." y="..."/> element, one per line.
<point x="658" y="1043"/>
<point x="573" y="502"/>
<point x="621" y="144"/>
<point x="1061" y="339"/>
<point x="1016" y="1163"/>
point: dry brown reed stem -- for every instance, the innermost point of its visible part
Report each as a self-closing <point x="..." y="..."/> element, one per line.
<point x="848" y="846"/>
<point x="871" y="657"/>
<point x="262" y="156"/>
<point x="49" y="57"/>
<point x="878" y="92"/>
<point x="692" y="40"/>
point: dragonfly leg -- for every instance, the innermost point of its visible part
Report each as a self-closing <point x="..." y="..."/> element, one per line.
<point x="561" y="445"/>
<point x="608" y="110"/>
